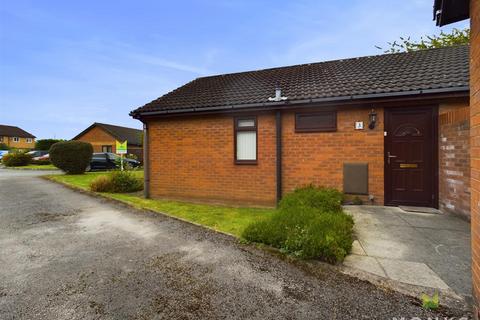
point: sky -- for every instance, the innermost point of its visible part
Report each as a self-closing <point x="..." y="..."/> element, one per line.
<point x="67" y="64"/>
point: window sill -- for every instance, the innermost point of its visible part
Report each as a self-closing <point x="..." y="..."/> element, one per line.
<point x="246" y="162"/>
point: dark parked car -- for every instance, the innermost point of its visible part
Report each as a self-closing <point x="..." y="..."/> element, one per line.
<point x="109" y="161"/>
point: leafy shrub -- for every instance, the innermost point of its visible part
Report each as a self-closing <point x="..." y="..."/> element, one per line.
<point x="329" y="236"/>
<point x="124" y="181"/>
<point x="117" y="182"/>
<point x="101" y="184"/>
<point x="45" y="144"/>
<point x="16" y="159"/>
<point x="40" y="162"/>
<point x="3" y="146"/>
<point x="71" y="156"/>
<point x="309" y="224"/>
<point x="326" y="199"/>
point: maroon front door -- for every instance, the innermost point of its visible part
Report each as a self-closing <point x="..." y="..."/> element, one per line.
<point x="411" y="156"/>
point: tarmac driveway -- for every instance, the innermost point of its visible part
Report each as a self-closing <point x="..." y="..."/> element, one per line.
<point x="65" y="255"/>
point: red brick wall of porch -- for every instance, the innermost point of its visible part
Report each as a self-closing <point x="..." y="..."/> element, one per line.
<point x="454" y="158"/>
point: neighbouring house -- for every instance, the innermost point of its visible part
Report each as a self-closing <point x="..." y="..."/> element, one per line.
<point x="445" y="12"/>
<point x="17" y="138"/>
<point x="103" y="138"/>
<point x="392" y="129"/>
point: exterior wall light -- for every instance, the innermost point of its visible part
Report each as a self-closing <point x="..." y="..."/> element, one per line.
<point x="373" y="119"/>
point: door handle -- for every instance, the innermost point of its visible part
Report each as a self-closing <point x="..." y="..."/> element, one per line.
<point x="390" y="156"/>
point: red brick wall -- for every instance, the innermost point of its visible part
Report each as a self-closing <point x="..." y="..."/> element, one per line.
<point x="475" y="144"/>
<point x="454" y="158"/>
<point x="194" y="158"/>
<point x="318" y="157"/>
<point x="98" y="138"/>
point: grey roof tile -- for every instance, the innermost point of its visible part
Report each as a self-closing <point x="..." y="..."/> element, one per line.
<point x="442" y="68"/>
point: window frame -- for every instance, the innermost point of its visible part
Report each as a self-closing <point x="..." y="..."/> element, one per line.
<point x="318" y="128"/>
<point x="237" y="129"/>
<point x="107" y="146"/>
<point x="16" y="139"/>
<point x="29" y="140"/>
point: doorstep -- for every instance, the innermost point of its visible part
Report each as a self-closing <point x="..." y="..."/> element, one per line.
<point x="420" y="209"/>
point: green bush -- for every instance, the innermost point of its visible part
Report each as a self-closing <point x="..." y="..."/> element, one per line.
<point x="117" y="182"/>
<point x="326" y="199"/>
<point x="101" y="184"/>
<point x="73" y="157"/>
<point x="16" y="159"/>
<point x="124" y="181"/>
<point x="40" y="162"/>
<point x="308" y="224"/>
<point x="3" y="146"/>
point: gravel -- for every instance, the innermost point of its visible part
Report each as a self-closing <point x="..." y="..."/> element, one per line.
<point x="65" y="255"/>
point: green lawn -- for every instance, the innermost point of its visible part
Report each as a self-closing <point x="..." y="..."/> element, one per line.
<point x="36" y="167"/>
<point x="231" y="220"/>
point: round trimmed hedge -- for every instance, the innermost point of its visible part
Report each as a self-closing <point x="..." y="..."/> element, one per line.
<point x="16" y="159"/>
<point x="73" y="157"/>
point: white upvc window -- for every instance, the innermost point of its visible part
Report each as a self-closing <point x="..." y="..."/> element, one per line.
<point x="16" y="139"/>
<point x="29" y="140"/>
<point x="246" y="140"/>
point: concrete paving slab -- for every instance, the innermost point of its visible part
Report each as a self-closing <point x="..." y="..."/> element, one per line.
<point x="398" y="233"/>
<point x="392" y="249"/>
<point x="450" y="258"/>
<point x="415" y="273"/>
<point x="364" y="263"/>
<point x="441" y="221"/>
<point x="454" y="239"/>
<point x="425" y="243"/>
<point x="357" y="248"/>
<point x="370" y="216"/>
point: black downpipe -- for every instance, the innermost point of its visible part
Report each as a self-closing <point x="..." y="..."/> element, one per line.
<point x="278" y="125"/>
<point x="146" y="163"/>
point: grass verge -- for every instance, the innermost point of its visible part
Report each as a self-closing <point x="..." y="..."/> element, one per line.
<point x="231" y="220"/>
<point x="35" y="167"/>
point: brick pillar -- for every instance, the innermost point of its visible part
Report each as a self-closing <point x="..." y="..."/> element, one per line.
<point x="475" y="147"/>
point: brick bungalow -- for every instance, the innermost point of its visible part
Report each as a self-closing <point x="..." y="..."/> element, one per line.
<point x="14" y="137"/>
<point x="103" y="136"/>
<point x="445" y="12"/>
<point x="391" y="128"/>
